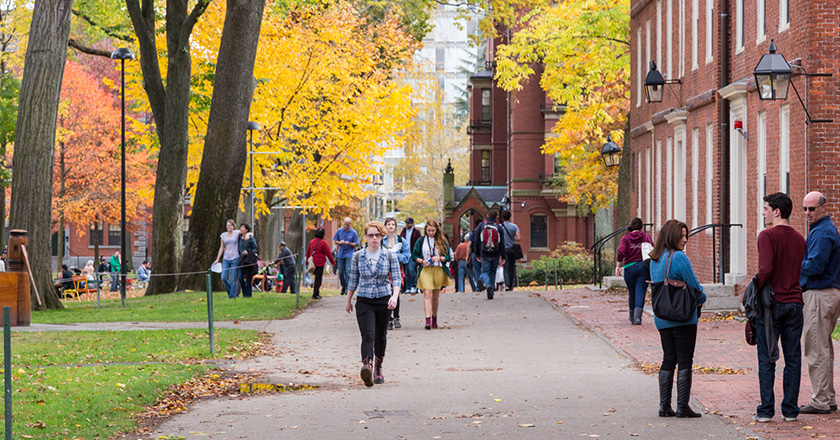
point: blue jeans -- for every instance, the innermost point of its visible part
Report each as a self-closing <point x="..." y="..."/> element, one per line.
<point x="489" y="265"/>
<point x="230" y="276"/>
<point x="342" y="267"/>
<point x="787" y="328"/>
<point x="411" y="275"/>
<point x="636" y="277"/>
<point x="463" y="271"/>
<point x="476" y="268"/>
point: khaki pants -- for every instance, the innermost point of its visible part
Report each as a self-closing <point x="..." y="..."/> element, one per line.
<point x="821" y="311"/>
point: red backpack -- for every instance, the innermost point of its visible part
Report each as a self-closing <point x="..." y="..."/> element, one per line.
<point x="489" y="238"/>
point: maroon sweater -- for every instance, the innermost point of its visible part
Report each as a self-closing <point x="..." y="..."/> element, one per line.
<point x="780" y="253"/>
<point x="630" y="247"/>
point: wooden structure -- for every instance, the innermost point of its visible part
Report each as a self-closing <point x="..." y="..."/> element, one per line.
<point x="14" y="284"/>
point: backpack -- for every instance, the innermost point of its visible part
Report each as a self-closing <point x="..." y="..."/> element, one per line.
<point x="489" y="238"/>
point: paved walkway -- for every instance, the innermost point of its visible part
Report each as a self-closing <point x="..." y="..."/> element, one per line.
<point x="731" y="387"/>
<point x="514" y="367"/>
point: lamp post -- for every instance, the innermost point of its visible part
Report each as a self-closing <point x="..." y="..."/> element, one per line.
<point x="122" y="54"/>
<point x="252" y="126"/>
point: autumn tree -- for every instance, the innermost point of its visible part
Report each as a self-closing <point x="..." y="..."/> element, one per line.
<point x="583" y="48"/>
<point x="87" y="181"/>
<point x="35" y="131"/>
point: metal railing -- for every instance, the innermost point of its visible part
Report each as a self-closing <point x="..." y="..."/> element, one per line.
<point x="713" y="227"/>
<point x="596" y="256"/>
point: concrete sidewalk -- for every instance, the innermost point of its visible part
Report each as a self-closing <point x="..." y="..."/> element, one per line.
<point x="726" y="368"/>
<point x="513" y="367"/>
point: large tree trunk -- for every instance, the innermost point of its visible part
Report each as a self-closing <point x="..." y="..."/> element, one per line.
<point x="622" y="201"/>
<point x="31" y="207"/>
<point x="170" y="106"/>
<point x="223" y="162"/>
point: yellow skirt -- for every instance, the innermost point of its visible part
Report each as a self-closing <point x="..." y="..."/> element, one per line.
<point x="433" y="278"/>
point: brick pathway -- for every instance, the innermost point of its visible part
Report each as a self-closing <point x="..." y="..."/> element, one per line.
<point x="725" y="379"/>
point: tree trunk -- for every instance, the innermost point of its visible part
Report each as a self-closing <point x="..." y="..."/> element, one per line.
<point x="223" y="162"/>
<point x="34" y="155"/>
<point x="61" y="192"/>
<point x="622" y="201"/>
<point x="294" y="233"/>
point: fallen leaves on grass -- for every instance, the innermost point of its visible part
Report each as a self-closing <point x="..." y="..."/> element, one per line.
<point x="176" y="399"/>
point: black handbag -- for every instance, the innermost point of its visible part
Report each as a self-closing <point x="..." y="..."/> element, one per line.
<point x="673" y="300"/>
<point x="516" y="251"/>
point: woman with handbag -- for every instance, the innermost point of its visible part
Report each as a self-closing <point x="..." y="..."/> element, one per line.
<point x="629" y="260"/>
<point x="375" y="279"/>
<point x="668" y="262"/>
<point x="248" y="251"/>
<point x="431" y="253"/>
<point x="399" y="247"/>
<point x="317" y="254"/>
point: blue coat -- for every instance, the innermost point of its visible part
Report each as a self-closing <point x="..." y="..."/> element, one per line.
<point x="680" y="271"/>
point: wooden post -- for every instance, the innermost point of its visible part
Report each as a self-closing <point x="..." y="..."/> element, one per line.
<point x="14" y="284"/>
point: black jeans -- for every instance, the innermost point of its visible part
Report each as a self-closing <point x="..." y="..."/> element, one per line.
<point x="678" y="346"/>
<point x="787" y="327"/>
<point x="510" y="269"/>
<point x="319" y="276"/>
<point x="372" y="316"/>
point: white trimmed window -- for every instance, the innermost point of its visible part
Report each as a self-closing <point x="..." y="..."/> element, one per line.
<point x="695" y="166"/>
<point x="669" y="177"/>
<point x="647" y="44"/>
<point x="784" y="15"/>
<point x="659" y="35"/>
<point x="760" y="23"/>
<point x="710" y="166"/>
<point x="638" y="186"/>
<point x="648" y="183"/>
<point x="683" y="46"/>
<point x="739" y="26"/>
<point x="669" y="32"/>
<point x="695" y="31"/>
<point x="710" y="20"/>
<point x="761" y="174"/>
<point x="784" y="149"/>
<point x="658" y="187"/>
<point x="640" y="78"/>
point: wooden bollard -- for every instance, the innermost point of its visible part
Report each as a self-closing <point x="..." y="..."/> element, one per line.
<point x="14" y="284"/>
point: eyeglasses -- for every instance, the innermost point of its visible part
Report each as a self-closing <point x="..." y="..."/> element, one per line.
<point x="810" y="208"/>
<point x="374" y="236"/>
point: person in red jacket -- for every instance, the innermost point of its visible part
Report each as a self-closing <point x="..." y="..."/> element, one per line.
<point x="319" y="250"/>
<point x="636" y="275"/>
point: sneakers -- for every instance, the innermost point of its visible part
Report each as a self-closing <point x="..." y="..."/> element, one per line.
<point x="489" y="293"/>
<point x="789" y="419"/>
<point x="761" y="419"/>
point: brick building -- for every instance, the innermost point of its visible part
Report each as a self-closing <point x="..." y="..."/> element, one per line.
<point x="711" y="150"/>
<point x="509" y="170"/>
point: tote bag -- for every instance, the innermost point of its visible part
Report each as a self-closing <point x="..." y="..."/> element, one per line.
<point x="673" y="300"/>
<point x="310" y="263"/>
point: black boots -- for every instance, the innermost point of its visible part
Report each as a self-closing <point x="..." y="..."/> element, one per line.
<point x="637" y="315"/>
<point x="367" y="373"/>
<point x="683" y="393"/>
<point x="666" y="385"/>
<point x="377" y="370"/>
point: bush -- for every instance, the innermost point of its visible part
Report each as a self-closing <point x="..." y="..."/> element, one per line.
<point x="573" y="263"/>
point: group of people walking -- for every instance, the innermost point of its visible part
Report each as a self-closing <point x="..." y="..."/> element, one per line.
<point x="794" y="298"/>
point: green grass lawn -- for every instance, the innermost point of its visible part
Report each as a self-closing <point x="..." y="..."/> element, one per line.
<point x="55" y="396"/>
<point x="176" y="307"/>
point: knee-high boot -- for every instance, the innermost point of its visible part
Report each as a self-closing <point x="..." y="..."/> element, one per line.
<point x="637" y="315"/>
<point x="666" y="385"/>
<point x="683" y="394"/>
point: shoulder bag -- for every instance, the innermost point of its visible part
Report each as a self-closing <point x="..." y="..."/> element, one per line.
<point x="515" y="248"/>
<point x="310" y="262"/>
<point x="673" y="300"/>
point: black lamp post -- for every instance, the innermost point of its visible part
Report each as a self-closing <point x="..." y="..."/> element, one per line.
<point x="772" y="78"/>
<point x="252" y="126"/>
<point x="611" y="153"/>
<point x="655" y="84"/>
<point x="122" y="54"/>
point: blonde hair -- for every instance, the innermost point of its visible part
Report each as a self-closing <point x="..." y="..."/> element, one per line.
<point x="440" y="241"/>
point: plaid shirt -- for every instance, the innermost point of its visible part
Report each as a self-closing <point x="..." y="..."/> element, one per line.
<point x="374" y="283"/>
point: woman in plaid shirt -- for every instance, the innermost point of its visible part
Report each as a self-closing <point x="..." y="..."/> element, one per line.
<point x="375" y="279"/>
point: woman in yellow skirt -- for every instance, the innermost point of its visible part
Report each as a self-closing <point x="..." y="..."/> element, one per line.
<point x="431" y="253"/>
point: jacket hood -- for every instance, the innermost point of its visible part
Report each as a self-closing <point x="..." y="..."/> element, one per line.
<point x="636" y="235"/>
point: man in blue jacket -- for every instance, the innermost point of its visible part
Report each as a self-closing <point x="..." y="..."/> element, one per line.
<point x="489" y="247"/>
<point x="820" y="280"/>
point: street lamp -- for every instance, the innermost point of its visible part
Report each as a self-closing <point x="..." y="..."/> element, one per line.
<point x="655" y="84"/>
<point x="122" y="54"/>
<point x="772" y="78"/>
<point x="611" y="153"/>
<point x="252" y="126"/>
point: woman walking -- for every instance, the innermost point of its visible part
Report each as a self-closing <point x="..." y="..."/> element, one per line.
<point x="375" y="278"/>
<point x="431" y="253"/>
<point x="229" y="250"/>
<point x="247" y="259"/>
<point x="319" y="250"/>
<point x="636" y="276"/>
<point x="678" y="338"/>
<point x="399" y="247"/>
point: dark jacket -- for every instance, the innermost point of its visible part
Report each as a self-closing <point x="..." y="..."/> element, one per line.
<point x="759" y="305"/>
<point x="415" y="235"/>
<point x="821" y="266"/>
<point x="477" y="245"/>
<point x="630" y="247"/>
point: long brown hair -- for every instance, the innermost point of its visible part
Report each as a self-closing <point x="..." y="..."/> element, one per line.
<point x="440" y="242"/>
<point x="669" y="238"/>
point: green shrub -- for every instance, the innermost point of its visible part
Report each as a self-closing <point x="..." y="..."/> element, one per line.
<point x="573" y="263"/>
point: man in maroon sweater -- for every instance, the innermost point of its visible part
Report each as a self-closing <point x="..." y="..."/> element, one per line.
<point x="780" y="252"/>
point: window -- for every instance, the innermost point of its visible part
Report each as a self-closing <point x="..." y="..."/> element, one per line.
<point x="648" y="183"/>
<point x="669" y="32"/>
<point x="485" y="105"/>
<point x="485" y="166"/>
<point x="440" y="59"/>
<point x="761" y="175"/>
<point x="784" y="14"/>
<point x="695" y="169"/>
<point x="659" y="32"/>
<point x="638" y="187"/>
<point x="679" y="174"/>
<point x="784" y="149"/>
<point x="669" y="178"/>
<point x="739" y="26"/>
<point x="657" y="189"/>
<point x="695" y="30"/>
<point x="114" y="235"/>
<point x="710" y="14"/>
<point x="760" y="21"/>
<point x="647" y="46"/>
<point x="539" y="231"/>
<point x="710" y="144"/>
<point x="640" y="78"/>
<point x="682" y="49"/>
<point x="98" y="238"/>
